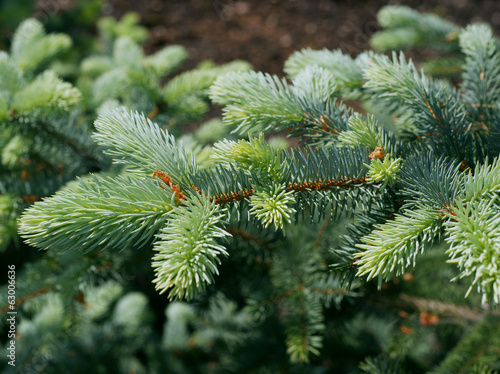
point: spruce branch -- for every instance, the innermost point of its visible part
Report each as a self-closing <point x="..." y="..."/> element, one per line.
<point x="406" y="28"/>
<point x="304" y="325"/>
<point x="481" y="341"/>
<point x="473" y="232"/>
<point x="294" y="273"/>
<point x="299" y="60"/>
<point x="143" y="82"/>
<point x="347" y="73"/>
<point x="31" y="46"/>
<point x="110" y="84"/>
<point x="361" y="132"/>
<point x="314" y="83"/>
<point x="407" y="190"/>
<point x="134" y="79"/>
<point x="302" y="171"/>
<point x="15" y="150"/>
<point x="127" y="135"/>
<point x="331" y="290"/>
<point x="481" y="76"/>
<point x="484" y="181"/>
<point x="257" y="102"/>
<point x="302" y="286"/>
<point x="328" y="166"/>
<point x="435" y="109"/>
<point x="76" y="138"/>
<point x="127" y="53"/>
<point x="396" y="16"/>
<point x="399" y="81"/>
<point x="32" y="186"/>
<point x="393" y="246"/>
<point x="166" y="60"/>
<point x="98" y="213"/>
<point x="436" y="182"/>
<point x="45" y="95"/>
<point x="11" y="76"/>
<point x="322" y="122"/>
<point x="267" y="101"/>
<point x="367" y="132"/>
<point x="188" y="253"/>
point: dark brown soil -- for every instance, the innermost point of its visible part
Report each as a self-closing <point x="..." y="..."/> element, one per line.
<point x="266" y="32"/>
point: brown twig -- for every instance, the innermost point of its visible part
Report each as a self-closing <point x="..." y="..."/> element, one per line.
<point x="224" y="198"/>
<point x="26" y="298"/>
<point x="153" y="113"/>
<point x="444" y="308"/>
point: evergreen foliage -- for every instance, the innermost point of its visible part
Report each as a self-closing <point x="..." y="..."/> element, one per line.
<point x="252" y="234"/>
<point x="46" y="128"/>
<point x="46" y="122"/>
<point x="43" y="142"/>
<point x="404" y="28"/>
